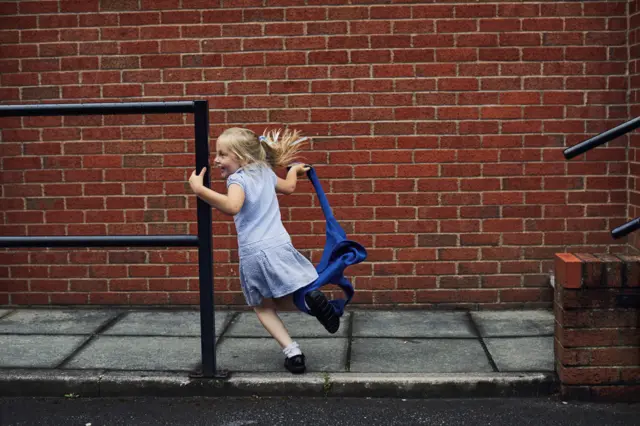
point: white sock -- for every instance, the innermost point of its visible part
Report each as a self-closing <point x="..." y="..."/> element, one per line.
<point x="292" y="350"/>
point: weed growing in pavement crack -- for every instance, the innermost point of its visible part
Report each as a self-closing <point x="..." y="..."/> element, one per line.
<point x="326" y="387"/>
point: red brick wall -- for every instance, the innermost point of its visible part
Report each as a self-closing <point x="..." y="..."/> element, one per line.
<point x="634" y="106"/>
<point x="438" y="134"/>
<point x="597" y="339"/>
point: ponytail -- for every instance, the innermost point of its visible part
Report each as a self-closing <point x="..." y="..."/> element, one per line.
<point x="281" y="147"/>
<point x="277" y="148"/>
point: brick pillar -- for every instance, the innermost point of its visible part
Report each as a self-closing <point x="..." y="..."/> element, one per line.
<point x="597" y="339"/>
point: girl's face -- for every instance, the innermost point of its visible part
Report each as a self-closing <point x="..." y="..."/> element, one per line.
<point x="226" y="160"/>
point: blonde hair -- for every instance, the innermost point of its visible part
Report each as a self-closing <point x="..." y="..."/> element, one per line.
<point x="277" y="148"/>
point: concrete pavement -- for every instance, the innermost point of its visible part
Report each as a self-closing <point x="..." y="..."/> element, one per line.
<point x="120" y="351"/>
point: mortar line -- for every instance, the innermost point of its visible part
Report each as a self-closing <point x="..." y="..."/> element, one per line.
<point x="475" y="328"/>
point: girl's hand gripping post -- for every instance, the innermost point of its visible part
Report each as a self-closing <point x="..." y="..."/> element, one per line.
<point x="197" y="181"/>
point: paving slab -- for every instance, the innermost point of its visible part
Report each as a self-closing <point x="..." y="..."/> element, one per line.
<point x="257" y="355"/>
<point x="139" y="353"/>
<point x="36" y="351"/>
<point x="514" y="323"/>
<point x="55" y="321"/>
<point x="178" y="323"/>
<point x="522" y="353"/>
<point x="298" y="324"/>
<point x="374" y="355"/>
<point x="3" y="312"/>
<point x="411" y="324"/>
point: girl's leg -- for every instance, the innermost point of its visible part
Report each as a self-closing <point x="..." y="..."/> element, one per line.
<point x="285" y="303"/>
<point x="273" y="324"/>
<point x="268" y="316"/>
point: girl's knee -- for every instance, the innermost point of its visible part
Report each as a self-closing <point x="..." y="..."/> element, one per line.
<point x="279" y="304"/>
<point x="285" y="303"/>
<point x="266" y="304"/>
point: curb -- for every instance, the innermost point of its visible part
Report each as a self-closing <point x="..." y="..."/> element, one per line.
<point x="93" y="383"/>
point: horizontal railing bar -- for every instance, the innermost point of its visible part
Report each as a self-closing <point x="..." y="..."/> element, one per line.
<point x="602" y="138"/>
<point x="626" y="228"/>
<point x="96" y="108"/>
<point x="102" y="241"/>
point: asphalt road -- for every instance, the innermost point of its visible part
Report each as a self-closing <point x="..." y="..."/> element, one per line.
<point x="310" y="411"/>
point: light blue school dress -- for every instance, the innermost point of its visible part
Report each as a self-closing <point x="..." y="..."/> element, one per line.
<point x="269" y="264"/>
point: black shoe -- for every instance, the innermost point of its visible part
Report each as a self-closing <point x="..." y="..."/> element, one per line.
<point x="322" y="310"/>
<point x="295" y="364"/>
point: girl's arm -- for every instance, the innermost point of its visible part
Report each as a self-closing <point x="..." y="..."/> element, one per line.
<point x="288" y="185"/>
<point x="229" y="204"/>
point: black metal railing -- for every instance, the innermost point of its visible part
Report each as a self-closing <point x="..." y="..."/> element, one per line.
<point x="204" y="240"/>
<point x="601" y="139"/>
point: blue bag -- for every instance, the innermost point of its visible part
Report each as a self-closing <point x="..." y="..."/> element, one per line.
<point x="339" y="252"/>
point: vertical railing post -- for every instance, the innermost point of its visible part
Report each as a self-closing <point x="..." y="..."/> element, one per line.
<point x="205" y="244"/>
